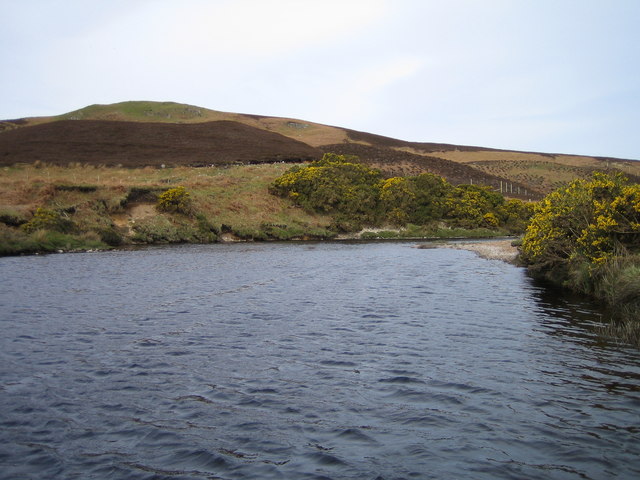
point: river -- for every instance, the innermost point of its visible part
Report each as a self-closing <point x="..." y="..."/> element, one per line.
<point x="306" y="361"/>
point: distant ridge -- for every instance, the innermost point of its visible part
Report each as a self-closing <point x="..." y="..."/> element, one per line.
<point x="142" y="133"/>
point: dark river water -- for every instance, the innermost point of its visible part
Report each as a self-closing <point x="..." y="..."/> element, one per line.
<point x="305" y="361"/>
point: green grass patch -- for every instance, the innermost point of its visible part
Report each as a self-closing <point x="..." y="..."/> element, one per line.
<point x="430" y="232"/>
<point x="15" y="242"/>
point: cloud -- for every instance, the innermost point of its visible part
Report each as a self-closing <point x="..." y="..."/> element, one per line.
<point x="462" y="71"/>
<point x="259" y="28"/>
<point x="360" y="93"/>
<point x="253" y="29"/>
<point x="174" y="50"/>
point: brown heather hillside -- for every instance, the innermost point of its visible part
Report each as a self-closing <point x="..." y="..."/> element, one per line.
<point x="138" y="134"/>
<point x="136" y="144"/>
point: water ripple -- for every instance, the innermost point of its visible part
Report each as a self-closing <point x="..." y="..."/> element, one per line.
<point x="329" y="361"/>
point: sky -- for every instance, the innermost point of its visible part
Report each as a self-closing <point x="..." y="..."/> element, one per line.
<point x="556" y="76"/>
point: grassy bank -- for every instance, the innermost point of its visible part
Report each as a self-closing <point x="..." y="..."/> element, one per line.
<point x="586" y="237"/>
<point x="429" y="232"/>
<point x="49" y="208"/>
<point x="616" y="284"/>
<point x="87" y="207"/>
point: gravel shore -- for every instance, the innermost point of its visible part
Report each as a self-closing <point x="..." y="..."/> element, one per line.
<point x="490" y="249"/>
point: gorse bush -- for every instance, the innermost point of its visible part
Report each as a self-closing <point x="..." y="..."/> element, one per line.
<point x="515" y="214"/>
<point x="335" y="184"/>
<point x="174" y="200"/>
<point x="46" y="219"/>
<point x="473" y="206"/>
<point x="590" y="220"/>
<point x="586" y="236"/>
<point x="357" y="195"/>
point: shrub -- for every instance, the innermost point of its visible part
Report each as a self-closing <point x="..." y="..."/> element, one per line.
<point x="46" y="219"/>
<point x="586" y="236"/>
<point x="357" y="195"/>
<point x="336" y="184"/>
<point x="398" y="198"/>
<point x="175" y="200"/>
<point x="590" y="219"/>
<point x="473" y="206"/>
<point x="431" y="194"/>
<point x="515" y="214"/>
<point x="160" y="229"/>
<point x="110" y="236"/>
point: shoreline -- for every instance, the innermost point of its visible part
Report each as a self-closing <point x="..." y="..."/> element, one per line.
<point x="490" y="249"/>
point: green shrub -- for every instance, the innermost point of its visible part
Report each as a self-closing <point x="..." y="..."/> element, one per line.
<point x="515" y="215"/>
<point x="160" y="229"/>
<point x="431" y="195"/>
<point x="473" y="206"/>
<point x="46" y="219"/>
<point x="110" y="236"/>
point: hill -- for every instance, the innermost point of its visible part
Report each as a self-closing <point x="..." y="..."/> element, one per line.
<point x="138" y="134"/>
<point x="135" y="144"/>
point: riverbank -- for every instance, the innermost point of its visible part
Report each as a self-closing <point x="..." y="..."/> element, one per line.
<point x="498" y="249"/>
<point x="49" y="209"/>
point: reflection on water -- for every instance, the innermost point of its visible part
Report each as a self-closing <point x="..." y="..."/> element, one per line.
<point x="305" y="361"/>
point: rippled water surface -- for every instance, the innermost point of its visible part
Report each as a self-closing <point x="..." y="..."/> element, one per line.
<point x="305" y="361"/>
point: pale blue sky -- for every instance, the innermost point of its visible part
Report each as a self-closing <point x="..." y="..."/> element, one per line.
<point x="560" y="76"/>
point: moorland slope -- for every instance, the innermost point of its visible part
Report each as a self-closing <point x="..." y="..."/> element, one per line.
<point x="139" y="134"/>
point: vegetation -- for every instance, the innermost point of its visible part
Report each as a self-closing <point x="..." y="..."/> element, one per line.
<point x="431" y="231"/>
<point x="175" y="200"/>
<point x="357" y="195"/>
<point x="46" y="219"/>
<point x="14" y="241"/>
<point x="586" y="236"/>
<point x="97" y="207"/>
<point x="539" y="172"/>
<point x="100" y="207"/>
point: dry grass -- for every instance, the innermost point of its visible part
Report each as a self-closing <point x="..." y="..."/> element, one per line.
<point x="539" y="175"/>
<point x="312" y="134"/>
<point x="540" y="172"/>
<point x="489" y="155"/>
<point x="236" y="196"/>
